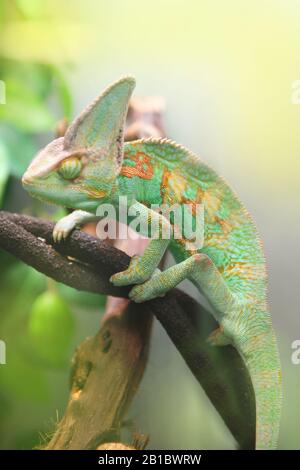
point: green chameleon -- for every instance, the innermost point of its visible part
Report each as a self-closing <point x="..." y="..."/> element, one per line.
<point x="92" y="165"/>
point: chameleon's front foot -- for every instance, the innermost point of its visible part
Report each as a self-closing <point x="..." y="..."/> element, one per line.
<point x="63" y="228"/>
<point x="136" y="273"/>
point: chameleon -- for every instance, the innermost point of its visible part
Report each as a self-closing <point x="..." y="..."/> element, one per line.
<point x="92" y="165"/>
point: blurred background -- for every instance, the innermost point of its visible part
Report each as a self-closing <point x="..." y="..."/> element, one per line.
<point x="226" y="70"/>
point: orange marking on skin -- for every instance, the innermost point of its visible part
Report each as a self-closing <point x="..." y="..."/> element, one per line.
<point x="256" y="342"/>
<point x="192" y="203"/>
<point x="212" y="204"/>
<point x="172" y="186"/>
<point x="143" y="168"/>
<point x="242" y="270"/>
<point x="165" y="179"/>
<point x="225" y="225"/>
<point x="183" y="241"/>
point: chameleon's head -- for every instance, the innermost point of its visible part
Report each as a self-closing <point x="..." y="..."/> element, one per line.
<point x="79" y="170"/>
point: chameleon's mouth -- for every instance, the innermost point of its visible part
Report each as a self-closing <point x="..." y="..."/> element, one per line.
<point x="26" y="180"/>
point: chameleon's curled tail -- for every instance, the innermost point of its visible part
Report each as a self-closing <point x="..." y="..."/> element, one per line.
<point x="260" y="354"/>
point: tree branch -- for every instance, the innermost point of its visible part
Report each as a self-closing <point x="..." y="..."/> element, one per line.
<point x="104" y="381"/>
<point x="220" y="371"/>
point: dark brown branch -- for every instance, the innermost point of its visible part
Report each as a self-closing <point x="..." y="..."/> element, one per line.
<point x="30" y="239"/>
<point x="220" y="371"/>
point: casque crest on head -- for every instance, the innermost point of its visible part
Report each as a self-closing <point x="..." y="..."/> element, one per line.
<point x="101" y="126"/>
<point x="96" y="134"/>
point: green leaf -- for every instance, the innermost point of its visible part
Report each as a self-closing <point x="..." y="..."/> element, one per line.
<point x="25" y="109"/>
<point x="4" y="170"/>
<point x="36" y="77"/>
<point x="20" y="149"/>
<point x="51" y="327"/>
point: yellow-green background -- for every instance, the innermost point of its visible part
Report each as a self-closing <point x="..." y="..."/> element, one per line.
<point x="226" y="69"/>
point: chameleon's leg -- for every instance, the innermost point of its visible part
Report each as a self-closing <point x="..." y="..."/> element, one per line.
<point x="161" y="283"/>
<point x="65" y="225"/>
<point x="200" y="269"/>
<point x="142" y="267"/>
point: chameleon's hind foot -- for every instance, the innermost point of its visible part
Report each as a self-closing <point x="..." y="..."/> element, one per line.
<point x="136" y="273"/>
<point x="162" y="282"/>
<point x="149" y="289"/>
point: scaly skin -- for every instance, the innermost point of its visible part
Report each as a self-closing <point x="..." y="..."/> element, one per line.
<point x="91" y="165"/>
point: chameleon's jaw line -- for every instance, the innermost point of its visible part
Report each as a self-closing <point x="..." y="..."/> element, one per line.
<point x="26" y="180"/>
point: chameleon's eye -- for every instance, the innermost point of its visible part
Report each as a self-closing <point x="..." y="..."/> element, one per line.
<point x="70" y="168"/>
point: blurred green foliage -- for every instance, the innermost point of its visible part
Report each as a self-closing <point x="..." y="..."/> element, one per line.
<point x="30" y="88"/>
<point x="41" y="327"/>
<point x="4" y="169"/>
<point x="231" y="67"/>
<point x="50" y="328"/>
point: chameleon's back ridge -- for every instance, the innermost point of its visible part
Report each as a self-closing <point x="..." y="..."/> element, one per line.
<point x="232" y="243"/>
<point x="92" y="165"/>
<point x="231" y="237"/>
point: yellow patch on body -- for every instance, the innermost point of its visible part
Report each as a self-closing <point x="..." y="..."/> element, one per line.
<point x="95" y="193"/>
<point x="172" y="187"/>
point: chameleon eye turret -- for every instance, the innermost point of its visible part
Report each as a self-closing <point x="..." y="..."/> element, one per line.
<point x="70" y="168"/>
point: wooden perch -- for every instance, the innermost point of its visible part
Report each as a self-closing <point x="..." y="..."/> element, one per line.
<point x="104" y="381"/>
<point x="86" y="263"/>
